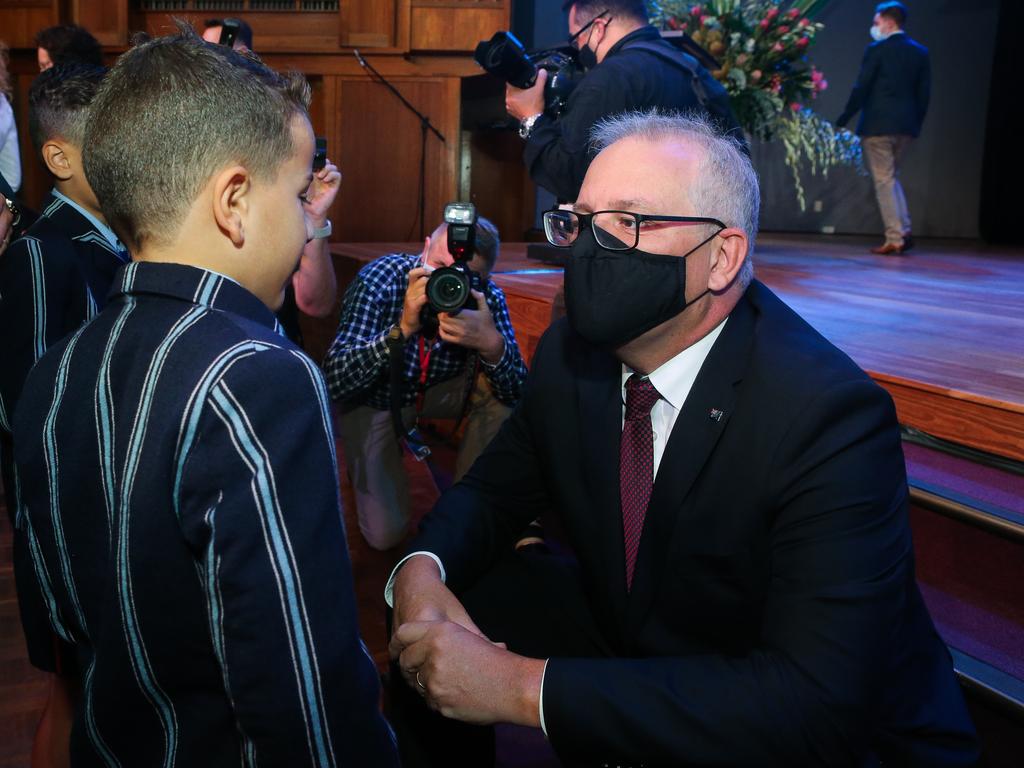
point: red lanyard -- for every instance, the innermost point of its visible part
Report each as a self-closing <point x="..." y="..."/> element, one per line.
<point x="424" y="367"/>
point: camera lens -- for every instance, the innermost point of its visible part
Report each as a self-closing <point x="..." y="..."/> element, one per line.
<point x="448" y="289"/>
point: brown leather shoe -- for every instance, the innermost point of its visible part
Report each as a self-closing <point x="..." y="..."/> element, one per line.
<point x="889" y="249"/>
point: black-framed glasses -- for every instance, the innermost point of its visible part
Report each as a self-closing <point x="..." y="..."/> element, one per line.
<point x="603" y="16"/>
<point x="613" y="230"/>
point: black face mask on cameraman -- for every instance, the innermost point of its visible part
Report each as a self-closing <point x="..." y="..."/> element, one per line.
<point x="612" y="297"/>
<point x="586" y="57"/>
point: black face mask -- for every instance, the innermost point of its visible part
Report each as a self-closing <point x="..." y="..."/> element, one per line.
<point x="612" y="297"/>
<point x="585" y="56"/>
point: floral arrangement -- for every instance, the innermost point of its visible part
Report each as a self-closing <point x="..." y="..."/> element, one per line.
<point x="762" y="47"/>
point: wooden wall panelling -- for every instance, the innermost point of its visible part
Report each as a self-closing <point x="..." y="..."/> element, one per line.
<point x="300" y="32"/>
<point x="379" y="142"/>
<point x="106" y="20"/>
<point x="370" y="23"/>
<point x="21" y="19"/>
<point x="454" y="25"/>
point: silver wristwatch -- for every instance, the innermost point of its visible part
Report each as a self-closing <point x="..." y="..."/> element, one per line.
<point x="526" y="126"/>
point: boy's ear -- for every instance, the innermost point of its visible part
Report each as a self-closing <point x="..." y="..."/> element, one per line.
<point x="57" y="160"/>
<point x="232" y="188"/>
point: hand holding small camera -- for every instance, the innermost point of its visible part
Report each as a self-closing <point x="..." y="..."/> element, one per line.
<point x="321" y="193"/>
<point x="474" y="329"/>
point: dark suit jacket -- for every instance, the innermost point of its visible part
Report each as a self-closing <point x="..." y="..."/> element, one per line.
<point x="774" y="618"/>
<point x="892" y="89"/>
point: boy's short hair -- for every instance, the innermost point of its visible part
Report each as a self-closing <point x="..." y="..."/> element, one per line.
<point x="173" y="111"/>
<point x="70" y="43"/>
<point x="58" y="102"/>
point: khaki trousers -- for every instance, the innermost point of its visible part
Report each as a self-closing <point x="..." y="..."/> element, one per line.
<point x="883" y="155"/>
<point x="373" y="455"/>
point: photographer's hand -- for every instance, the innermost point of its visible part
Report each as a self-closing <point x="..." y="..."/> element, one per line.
<point x="415" y="297"/>
<point x="522" y="104"/>
<point x="321" y="193"/>
<point x="474" y="329"/>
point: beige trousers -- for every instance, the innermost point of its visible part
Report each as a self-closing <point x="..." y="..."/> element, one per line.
<point x="883" y="154"/>
<point x="373" y="455"/>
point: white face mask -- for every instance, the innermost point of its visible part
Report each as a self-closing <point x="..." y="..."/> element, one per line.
<point x="877" y="33"/>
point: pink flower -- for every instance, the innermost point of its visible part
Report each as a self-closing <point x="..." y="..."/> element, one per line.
<point x="755" y="75"/>
<point x="783" y="29"/>
<point x="763" y="23"/>
<point x="796" y="106"/>
<point x="704" y="20"/>
<point x="803" y="42"/>
<point x="772" y="13"/>
<point x="777" y="48"/>
<point x="823" y="85"/>
<point x="803" y="22"/>
<point x="695" y="10"/>
<point x="816" y="76"/>
<point x="792" y="13"/>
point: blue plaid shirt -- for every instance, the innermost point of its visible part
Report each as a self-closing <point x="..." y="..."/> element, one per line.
<point x="357" y="362"/>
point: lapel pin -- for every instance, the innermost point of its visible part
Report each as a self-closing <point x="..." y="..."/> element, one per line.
<point x="716" y="414"/>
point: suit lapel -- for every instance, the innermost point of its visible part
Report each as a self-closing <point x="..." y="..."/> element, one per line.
<point x="697" y="429"/>
<point x="600" y="403"/>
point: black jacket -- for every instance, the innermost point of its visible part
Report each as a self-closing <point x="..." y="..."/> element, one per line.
<point x="774" y="618"/>
<point x="892" y="89"/>
<point x="558" y="151"/>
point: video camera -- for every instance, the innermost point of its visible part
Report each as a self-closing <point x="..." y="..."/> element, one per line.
<point x="503" y="55"/>
<point x="449" y="289"/>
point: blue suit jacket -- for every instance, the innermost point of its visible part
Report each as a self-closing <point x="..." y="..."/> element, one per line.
<point x="892" y="89"/>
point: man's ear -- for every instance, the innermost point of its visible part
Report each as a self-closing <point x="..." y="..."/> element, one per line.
<point x="729" y="252"/>
<point x="57" y="160"/>
<point x="232" y="191"/>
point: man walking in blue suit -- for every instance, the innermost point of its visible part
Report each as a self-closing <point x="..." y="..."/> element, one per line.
<point x="891" y="94"/>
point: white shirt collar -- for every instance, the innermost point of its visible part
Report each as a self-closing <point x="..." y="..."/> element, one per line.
<point x="102" y="228"/>
<point x="674" y="378"/>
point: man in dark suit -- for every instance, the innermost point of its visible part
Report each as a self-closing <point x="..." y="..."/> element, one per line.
<point x="891" y="93"/>
<point x="733" y="491"/>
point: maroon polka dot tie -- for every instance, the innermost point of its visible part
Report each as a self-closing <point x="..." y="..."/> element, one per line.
<point x="636" y="465"/>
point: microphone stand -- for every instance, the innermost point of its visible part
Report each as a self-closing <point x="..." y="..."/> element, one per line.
<point x="425" y="125"/>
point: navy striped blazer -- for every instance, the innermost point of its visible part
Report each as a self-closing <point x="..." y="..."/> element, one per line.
<point x="181" y="505"/>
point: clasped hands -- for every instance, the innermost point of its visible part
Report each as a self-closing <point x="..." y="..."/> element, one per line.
<point x="445" y="657"/>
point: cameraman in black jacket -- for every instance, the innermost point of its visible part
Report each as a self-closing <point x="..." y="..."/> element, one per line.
<point x="628" y="67"/>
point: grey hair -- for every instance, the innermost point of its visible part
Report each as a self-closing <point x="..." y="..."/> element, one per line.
<point x="726" y="187"/>
<point x="174" y="110"/>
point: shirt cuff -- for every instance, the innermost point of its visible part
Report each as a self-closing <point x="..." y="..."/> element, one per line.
<point x="543" y="727"/>
<point x="389" y="588"/>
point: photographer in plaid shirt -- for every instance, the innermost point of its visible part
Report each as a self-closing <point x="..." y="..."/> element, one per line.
<point x="381" y="311"/>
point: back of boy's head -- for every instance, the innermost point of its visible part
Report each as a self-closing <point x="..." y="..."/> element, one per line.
<point x="59" y="100"/>
<point x="174" y="111"/>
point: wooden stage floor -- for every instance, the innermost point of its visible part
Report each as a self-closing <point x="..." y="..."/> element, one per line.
<point x="941" y="328"/>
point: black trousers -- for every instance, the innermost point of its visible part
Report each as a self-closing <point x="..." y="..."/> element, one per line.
<point x="532" y="601"/>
